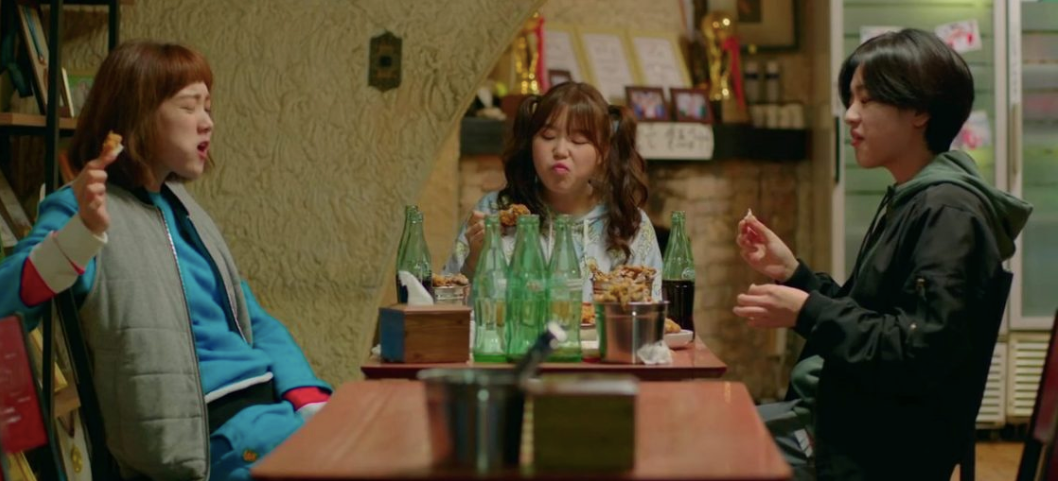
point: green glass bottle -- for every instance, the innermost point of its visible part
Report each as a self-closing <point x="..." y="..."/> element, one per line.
<point x="526" y="289"/>
<point x="416" y="259"/>
<point x="565" y="289"/>
<point x="677" y="274"/>
<point x="402" y="294"/>
<point x="489" y="293"/>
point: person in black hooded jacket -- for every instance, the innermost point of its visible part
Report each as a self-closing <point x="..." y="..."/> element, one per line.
<point x="906" y="342"/>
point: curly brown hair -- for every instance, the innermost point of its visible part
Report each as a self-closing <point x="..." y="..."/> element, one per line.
<point x="611" y="130"/>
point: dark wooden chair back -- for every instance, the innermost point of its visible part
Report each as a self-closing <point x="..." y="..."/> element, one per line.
<point x="1038" y="459"/>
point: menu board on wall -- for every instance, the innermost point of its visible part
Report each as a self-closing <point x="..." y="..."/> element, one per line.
<point x="608" y="60"/>
<point x="560" y="50"/>
<point x="675" y="140"/>
<point x="660" y="62"/>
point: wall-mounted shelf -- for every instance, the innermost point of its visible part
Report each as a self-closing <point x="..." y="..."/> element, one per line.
<point x="480" y="136"/>
<point x="752" y="143"/>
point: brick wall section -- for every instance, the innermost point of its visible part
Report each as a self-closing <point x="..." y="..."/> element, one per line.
<point x="715" y="195"/>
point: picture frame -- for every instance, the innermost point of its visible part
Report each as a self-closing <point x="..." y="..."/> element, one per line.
<point x="557" y="77"/>
<point x="659" y="59"/>
<point x="691" y="105"/>
<point x="648" y="103"/>
<point x="36" y="45"/>
<point x="763" y="25"/>
<point x="80" y="83"/>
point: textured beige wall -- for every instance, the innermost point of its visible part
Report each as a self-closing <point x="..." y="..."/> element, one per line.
<point x="313" y="165"/>
<point x="441" y="219"/>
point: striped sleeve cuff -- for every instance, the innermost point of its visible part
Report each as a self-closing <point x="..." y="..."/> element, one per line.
<point x="63" y="255"/>
<point x="307" y="401"/>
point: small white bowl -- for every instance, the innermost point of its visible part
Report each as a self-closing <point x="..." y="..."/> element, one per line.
<point x="588" y="332"/>
<point x="679" y="340"/>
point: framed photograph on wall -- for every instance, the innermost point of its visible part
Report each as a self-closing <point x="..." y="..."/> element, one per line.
<point x="557" y="77"/>
<point x="691" y="105"/>
<point x="648" y="103"/>
<point x="767" y="25"/>
<point x="36" y="45"/>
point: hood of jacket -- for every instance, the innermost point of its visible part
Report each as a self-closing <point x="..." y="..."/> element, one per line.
<point x="1007" y="214"/>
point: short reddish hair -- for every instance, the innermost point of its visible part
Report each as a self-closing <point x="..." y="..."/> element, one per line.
<point x="131" y="84"/>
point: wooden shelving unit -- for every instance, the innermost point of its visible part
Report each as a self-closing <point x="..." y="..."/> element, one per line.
<point x="33" y="121"/>
<point x="50" y="127"/>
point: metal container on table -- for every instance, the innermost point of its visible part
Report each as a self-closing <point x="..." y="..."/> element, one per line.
<point x="475" y="417"/>
<point x="454" y="295"/>
<point x="625" y="328"/>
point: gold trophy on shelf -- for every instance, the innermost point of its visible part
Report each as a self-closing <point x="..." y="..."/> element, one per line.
<point x="521" y="61"/>
<point x="725" y="76"/>
<point x="527" y="57"/>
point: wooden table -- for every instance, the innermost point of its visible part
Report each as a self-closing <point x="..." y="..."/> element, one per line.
<point x="696" y="362"/>
<point x="702" y="430"/>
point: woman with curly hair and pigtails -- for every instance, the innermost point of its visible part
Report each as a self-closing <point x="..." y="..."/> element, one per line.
<point x="572" y="153"/>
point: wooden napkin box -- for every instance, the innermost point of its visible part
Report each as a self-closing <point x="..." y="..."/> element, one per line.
<point x="584" y="423"/>
<point x="415" y="334"/>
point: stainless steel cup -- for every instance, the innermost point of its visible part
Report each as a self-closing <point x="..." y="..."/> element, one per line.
<point x="624" y="328"/>
<point x="475" y="417"/>
<point x="451" y="295"/>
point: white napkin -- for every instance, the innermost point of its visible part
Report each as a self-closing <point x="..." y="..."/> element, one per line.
<point x="655" y="353"/>
<point x="417" y="294"/>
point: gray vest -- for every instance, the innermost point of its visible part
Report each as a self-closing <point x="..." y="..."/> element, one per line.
<point x="138" y="329"/>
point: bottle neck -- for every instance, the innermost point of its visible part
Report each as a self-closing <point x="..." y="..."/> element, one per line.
<point x="562" y="232"/>
<point x="417" y="255"/>
<point x="527" y="251"/>
<point x="493" y="238"/>
<point x="416" y="238"/>
<point x="526" y="232"/>
<point x="404" y="234"/>
<point x="563" y="256"/>
<point x="678" y="264"/>
<point x="677" y="236"/>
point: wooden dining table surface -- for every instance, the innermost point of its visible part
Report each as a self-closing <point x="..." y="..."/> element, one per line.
<point x="698" y="430"/>
<point x="694" y="362"/>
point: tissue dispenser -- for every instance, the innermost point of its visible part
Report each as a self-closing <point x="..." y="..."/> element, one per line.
<point x="414" y="334"/>
<point x="584" y="423"/>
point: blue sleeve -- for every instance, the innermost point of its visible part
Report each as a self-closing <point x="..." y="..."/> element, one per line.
<point x="54" y="212"/>
<point x="289" y="366"/>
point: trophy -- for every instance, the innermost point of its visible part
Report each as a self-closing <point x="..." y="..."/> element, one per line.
<point x="527" y="57"/>
<point x="725" y="78"/>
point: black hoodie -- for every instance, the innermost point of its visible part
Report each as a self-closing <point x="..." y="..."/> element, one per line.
<point x="907" y="341"/>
